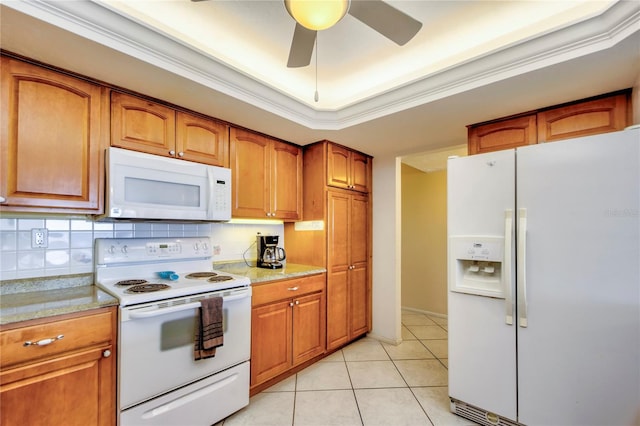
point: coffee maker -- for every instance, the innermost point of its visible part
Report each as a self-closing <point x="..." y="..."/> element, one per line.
<point x="269" y="254"/>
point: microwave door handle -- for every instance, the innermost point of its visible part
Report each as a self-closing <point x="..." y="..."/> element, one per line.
<point x="211" y="195"/>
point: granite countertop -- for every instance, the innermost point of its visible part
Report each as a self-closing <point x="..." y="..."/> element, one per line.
<point x="32" y="298"/>
<point x="26" y="299"/>
<point x="260" y="275"/>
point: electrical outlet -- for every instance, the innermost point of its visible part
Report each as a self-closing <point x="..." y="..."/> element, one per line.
<point x="39" y="237"/>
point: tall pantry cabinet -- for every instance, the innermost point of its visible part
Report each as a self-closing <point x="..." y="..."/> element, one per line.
<point x="337" y="184"/>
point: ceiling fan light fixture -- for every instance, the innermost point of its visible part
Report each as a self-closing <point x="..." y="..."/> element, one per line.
<point x="317" y="14"/>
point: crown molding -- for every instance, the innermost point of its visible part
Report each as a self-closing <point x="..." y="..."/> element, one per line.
<point x="94" y="21"/>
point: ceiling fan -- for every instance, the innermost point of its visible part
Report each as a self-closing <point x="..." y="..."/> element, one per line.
<point x="312" y="16"/>
<point x="377" y="14"/>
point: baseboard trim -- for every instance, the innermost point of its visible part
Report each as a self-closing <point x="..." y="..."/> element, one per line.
<point x="421" y="311"/>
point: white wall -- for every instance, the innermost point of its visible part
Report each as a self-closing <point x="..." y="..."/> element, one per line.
<point x="386" y="250"/>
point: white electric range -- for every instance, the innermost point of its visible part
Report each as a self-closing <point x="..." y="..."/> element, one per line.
<point x="159" y="283"/>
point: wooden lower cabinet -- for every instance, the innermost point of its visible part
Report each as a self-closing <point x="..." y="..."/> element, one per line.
<point x="347" y="306"/>
<point x="70" y="381"/>
<point x="287" y="325"/>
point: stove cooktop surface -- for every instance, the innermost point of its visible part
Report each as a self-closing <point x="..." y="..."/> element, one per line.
<point x="152" y="269"/>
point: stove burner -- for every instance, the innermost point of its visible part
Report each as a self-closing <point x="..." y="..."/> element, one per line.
<point x="147" y="288"/>
<point x="125" y="283"/>
<point x="201" y="275"/>
<point x="219" y="278"/>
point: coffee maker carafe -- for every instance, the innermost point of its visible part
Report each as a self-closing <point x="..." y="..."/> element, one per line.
<point x="269" y="254"/>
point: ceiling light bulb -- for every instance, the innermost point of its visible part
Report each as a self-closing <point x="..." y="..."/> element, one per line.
<point x="317" y="14"/>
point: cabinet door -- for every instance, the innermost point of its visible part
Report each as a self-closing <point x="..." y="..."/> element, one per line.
<point x="337" y="309"/>
<point x="141" y="125"/>
<point x="76" y="389"/>
<point x="338" y="166"/>
<point x="359" y="298"/>
<point x="338" y="265"/>
<point x="51" y="142"/>
<point x="249" y="158"/>
<point x="286" y="181"/>
<point x="271" y="327"/>
<point x="360" y="172"/>
<point x="309" y="336"/>
<point x="602" y="115"/>
<point x="505" y="134"/>
<point x="202" y="140"/>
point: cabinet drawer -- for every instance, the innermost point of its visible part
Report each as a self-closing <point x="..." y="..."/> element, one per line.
<point x="79" y="332"/>
<point x="287" y="289"/>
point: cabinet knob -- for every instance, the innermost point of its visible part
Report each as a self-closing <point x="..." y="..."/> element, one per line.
<point x="106" y="353"/>
<point x="290" y="303"/>
<point x="3" y="200"/>
<point x="297" y="302"/>
<point x="293" y="288"/>
<point x="172" y="153"/>
<point x="181" y="154"/>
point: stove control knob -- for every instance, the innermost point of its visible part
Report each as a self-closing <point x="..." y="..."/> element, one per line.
<point x="196" y="246"/>
<point x="111" y="249"/>
<point x="125" y="249"/>
<point x="205" y="247"/>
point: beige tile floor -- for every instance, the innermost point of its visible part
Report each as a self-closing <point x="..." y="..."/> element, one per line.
<point x="365" y="383"/>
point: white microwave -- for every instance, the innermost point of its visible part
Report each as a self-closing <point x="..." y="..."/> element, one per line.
<point x="144" y="186"/>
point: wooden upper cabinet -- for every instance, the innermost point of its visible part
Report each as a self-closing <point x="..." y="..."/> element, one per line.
<point x="202" y="140"/>
<point x="54" y="130"/>
<point x="348" y="169"/>
<point x="266" y="175"/>
<point x="286" y="181"/>
<point x="249" y="155"/>
<point x="338" y="166"/>
<point x="145" y="126"/>
<point x="504" y="134"/>
<point x="602" y="115"/>
<point x="360" y="172"/>
<point x="606" y="113"/>
<point x="141" y="125"/>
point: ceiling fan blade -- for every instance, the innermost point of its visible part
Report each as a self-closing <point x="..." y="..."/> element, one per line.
<point x="395" y="25"/>
<point x="301" y="47"/>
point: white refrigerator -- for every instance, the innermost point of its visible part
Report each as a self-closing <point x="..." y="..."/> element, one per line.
<point x="544" y="283"/>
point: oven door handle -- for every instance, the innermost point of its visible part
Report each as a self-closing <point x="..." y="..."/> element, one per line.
<point x="177" y="308"/>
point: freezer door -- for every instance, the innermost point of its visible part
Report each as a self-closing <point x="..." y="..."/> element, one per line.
<point x="482" y="357"/>
<point x="578" y="356"/>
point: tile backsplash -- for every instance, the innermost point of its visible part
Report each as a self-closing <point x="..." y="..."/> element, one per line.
<point x="70" y="242"/>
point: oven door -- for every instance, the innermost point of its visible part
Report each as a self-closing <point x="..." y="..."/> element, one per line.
<point x="157" y="344"/>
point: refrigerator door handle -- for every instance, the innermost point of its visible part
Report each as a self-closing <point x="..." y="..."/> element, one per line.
<point x="521" y="279"/>
<point x="508" y="296"/>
